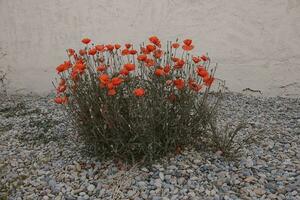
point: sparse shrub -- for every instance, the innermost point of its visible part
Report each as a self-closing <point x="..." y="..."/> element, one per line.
<point x="137" y="104"/>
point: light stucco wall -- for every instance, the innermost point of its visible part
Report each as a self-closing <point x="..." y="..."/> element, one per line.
<point x="255" y="42"/>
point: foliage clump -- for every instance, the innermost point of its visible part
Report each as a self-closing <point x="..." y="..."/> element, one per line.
<point x="140" y="103"/>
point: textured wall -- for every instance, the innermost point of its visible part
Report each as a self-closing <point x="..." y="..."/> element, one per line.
<point x="256" y="43"/>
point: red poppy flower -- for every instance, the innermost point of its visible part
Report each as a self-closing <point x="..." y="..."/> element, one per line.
<point x="187" y="42"/>
<point x="144" y="50"/>
<point x="155" y="41"/>
<point x="61" y="68"/>
<point x="149" y="62"/>
<point x="110" y="86"/>
<point x="139" y="92"/>
<point x="124" y="72"/>
<point x="116" y="81"/>
<point x="194" y="86"/>
<point x="179" y="64"/>
<point x="92" y="51"/>
<point x="100" y="48"/>
<point x="204" y="58"/>
<point x="175" y="45"/>
<point x="150" y="47"/>
<point x="208" y="80"/>
<point x="111" y="92"/>
<point x="159" y="72"/>
<point x="85" y="40"/>
<point x="117" y="46"/>
<point x="80" y="66"/>
<point x="61" y="88"/>
<point x="68" y="64"/>
<point x="74" y="74"/>
<point x="110" y="47"/>
<point x="82" y="52"/>
<point x="167" y="68"/>
<point x="129" y="66"/>
<point x="101" y="68"/>
<point x="201" y="71"/>
<point x="187" y="47"/>
<point x="142" y="57"/>
<point x="71" y="52"/>
<point x="157" y="53"/>
<point x="104" y="78"/>
<point x="196" y="59"/>
<point x="61" y="100"/>
<point x="127" y="46"/>
<point x="125" y="52"/>
<point x="132" y="51"/>
<point x="179" y="83"/>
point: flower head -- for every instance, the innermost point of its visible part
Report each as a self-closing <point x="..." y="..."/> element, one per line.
<point x="128" y="46"/>
<point x="116" y="81"/>
<point x="150" y="47"/>
<point x="204" y="58"/>
<point x="155" y="41"/>
<point x="92" y="51"/>
<point x="100" y="48"/>
<point x="61" y="100"/>
<point x="104" y="78"/>
<point x="187" y="42"/>
<point x="129" y="66"/>
<point x="139" y="92"/>
<point x="175" y="45"/>
<point x="159" y="72"/>
<point x="124" y="72"/>
<point x="85" y="40"/>
<point x="179" y="83"/>
<point x="71" y="52"/>
<point x="117" y="46"/>
<point x="101" y="68"/>
<point x="201" y="71"/>
<point x="109" y="47"/>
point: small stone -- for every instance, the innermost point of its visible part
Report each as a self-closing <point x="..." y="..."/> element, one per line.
<point x="250" y="179"/>
<point x="157" y="183"/>
<point x="161" y="176"/>
<point x="91" y="188"/>
<point x="259" y="191"/>
<point x="272" y="196"/>
<point x="249" y="162"/>
<point x="197" y="162"/>
<point x="144" y="169"/>
<point x="207" y="192"/>
<point x="82" y="193"/>
<point x="77" y="166"/>
<point x="45" y="197"/>
<point x="130" y="193"/>
<point x="180" y="181"/>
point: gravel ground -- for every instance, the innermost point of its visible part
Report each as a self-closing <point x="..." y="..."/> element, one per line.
<point x="41" y="158"/>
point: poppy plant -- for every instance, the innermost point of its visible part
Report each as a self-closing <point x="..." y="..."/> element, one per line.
<point x="136" y="102"/>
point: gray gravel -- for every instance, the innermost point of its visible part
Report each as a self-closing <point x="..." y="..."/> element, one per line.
<point x="41" y="158"/>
